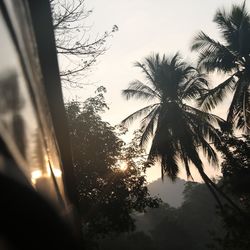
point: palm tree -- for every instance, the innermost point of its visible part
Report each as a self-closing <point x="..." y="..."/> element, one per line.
<point x="231" y="57"/>
<point x="177" y="129"/>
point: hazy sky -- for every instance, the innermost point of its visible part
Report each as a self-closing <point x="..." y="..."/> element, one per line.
<point x="145" y="26"/>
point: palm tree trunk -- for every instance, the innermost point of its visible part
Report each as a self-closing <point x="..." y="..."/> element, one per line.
<point x="210" y="187"/>
<point x="214" y="187"/>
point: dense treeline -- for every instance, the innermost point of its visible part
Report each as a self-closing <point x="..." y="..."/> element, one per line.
<point x="190" y="226"/>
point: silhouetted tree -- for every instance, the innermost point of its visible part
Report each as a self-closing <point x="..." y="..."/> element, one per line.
<point x="108" y="194"/>
<point x="178" y="130"/>
<point x="235" y="167"/>
<point x="236" y="182"/>
<point x="231" y="58"/>
<point x="78" y="50"/>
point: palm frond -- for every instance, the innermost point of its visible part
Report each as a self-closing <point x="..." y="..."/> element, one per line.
<point x="165" y="148"/>
<point x="246" y="111"/>
<point x="216" y="95"/>
<point x="239" y="110"/>
<point x="188" y="71"/>
<point x="213" y="55"/>
<point x="169" y="164"/>
<point x="238" y="15"/>
<point x="138" y="85"/>
<point x="137" y="114"/>
<point x="208" y="150"/>
<point x="139" y="90"/>
<point x="145" y="71"/>
<point x="175" y="61"/>
<point x="133" y="93"/>
<point x="222" y="19"/>
<point x="148" y="126"/>
<point x="186" y="164"/>
<point x="204" y="116"/>
<point x="202" y="128"/>
<point x="202" y="41"/>
<point x="194" y="88"/>
<point x="153" y="63"/>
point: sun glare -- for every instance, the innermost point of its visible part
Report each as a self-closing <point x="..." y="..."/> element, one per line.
<point x="123" y="166"/>
<point x="37" y="174"/>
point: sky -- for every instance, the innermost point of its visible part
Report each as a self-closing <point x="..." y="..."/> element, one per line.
<point x="145" y="27"/>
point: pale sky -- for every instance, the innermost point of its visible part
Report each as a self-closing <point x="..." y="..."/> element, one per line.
<point x="145" y="26"/>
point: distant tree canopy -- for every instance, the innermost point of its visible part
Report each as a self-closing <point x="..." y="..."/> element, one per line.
<point x="190" y="226"/>
<point x="108" y="193"/>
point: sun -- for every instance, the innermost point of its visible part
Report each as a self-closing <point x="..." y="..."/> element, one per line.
<point x="122" y="165"/>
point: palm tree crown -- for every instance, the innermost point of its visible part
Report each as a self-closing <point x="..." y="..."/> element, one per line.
<point x="176" y="128"/>
<point x="231" y="57"/>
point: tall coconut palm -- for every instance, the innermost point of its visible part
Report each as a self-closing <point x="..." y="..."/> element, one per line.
<point x="231" y="57"/>
<point x="177" y="130"/>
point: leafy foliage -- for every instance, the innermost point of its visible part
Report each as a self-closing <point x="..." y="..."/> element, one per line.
<point x="108" y="195"/>
<point x="236" y="182"/>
